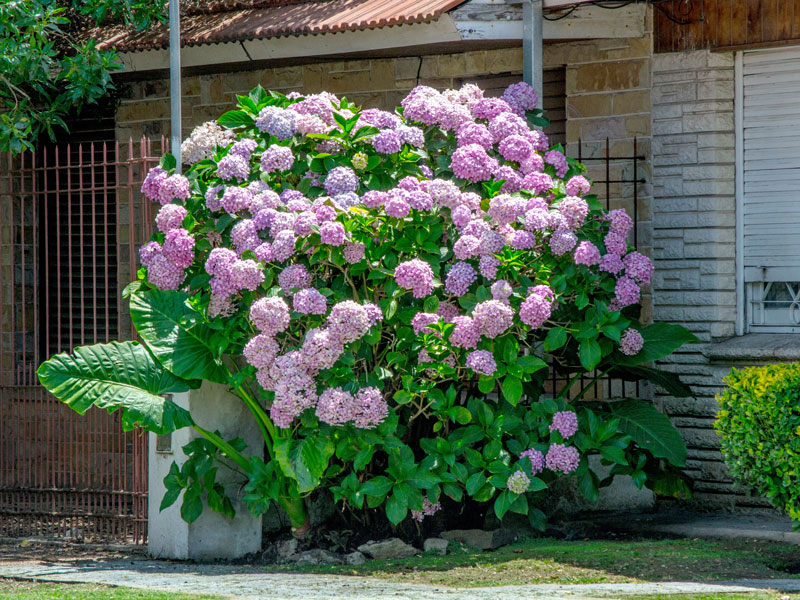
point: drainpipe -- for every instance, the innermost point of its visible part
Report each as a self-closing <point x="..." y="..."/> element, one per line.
<point x="532" y="45"/>
<point x="175" y="79"/>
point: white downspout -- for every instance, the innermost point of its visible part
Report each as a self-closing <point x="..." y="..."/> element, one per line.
<point x="175" y="79"/>
<point x="532" y="45"/>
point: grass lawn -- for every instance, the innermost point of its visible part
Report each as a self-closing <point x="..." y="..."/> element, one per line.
<point x="27" y="590"/>
<point x="545" y="560"/>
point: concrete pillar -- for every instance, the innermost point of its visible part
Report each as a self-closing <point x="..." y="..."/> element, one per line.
<point x="212" y="535"/>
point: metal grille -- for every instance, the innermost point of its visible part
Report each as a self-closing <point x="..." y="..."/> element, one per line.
<point x="617" y="187"/>
<point x="71" y="221"/>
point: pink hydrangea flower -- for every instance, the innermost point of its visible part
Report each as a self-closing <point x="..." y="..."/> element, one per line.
<point x="562" y="459"/>
<point x="565" y="422"/>
<point x="415" y="275"/>
<point x="493" y="317"/>
<point x="482" y="362"/>
<point x="631" y="342"/>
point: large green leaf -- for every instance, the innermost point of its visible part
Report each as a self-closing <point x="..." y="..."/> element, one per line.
<point x="305" y="460"/>
<point x="660" y="340"/>
<point x="176" y="335"/>
<point x="117" y="376"/>
<point x="650" y="429"/>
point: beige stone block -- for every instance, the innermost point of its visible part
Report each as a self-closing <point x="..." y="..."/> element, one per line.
<point x="429" y="68"/>
<point x="143" y="111"/>
<point x="626" y="103"/>
<point x="381" y="75"/>
<point x="621" y="75"/>
<point x="190" y="86"/>
<point x="347" y="82"/>
<point x="356" y="65"/>
<point x="312" y="78"/>
<point x="367" y="99"/>
<point x="590" y="105"/>
<point x="406" y="68"/>
<point x="452" y="65"/>
<point x="475" y="62"/>
<point x="503" y="60"/>
<point x="405" y="84"/>
<point x="596" y="129"/>
<point x="283" y="77"/>
<point x="216" y="89"/>
<point x="391" y="99"/>
<point x="637" y="126"/>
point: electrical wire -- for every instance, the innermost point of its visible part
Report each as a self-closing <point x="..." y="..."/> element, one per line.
<point x="609" y="4"/>
<point x="673" y="18"/>
<point x="615" y="4"/>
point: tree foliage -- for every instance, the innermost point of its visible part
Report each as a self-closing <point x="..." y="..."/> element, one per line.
<point x="50" y="69"/>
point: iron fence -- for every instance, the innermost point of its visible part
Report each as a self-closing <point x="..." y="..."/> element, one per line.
<point x="71" y="221"/>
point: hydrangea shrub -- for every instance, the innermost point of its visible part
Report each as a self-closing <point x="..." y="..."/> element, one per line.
<point x="388" y="294"/>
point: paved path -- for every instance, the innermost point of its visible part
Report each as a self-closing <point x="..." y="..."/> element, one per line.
<point x="250" y="583"/>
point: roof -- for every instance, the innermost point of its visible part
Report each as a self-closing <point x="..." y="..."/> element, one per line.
<point x="215" y="21"/>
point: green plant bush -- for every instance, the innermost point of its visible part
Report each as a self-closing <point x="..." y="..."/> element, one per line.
<point x="759" y="421"/>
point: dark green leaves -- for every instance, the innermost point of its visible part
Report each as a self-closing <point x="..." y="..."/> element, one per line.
<point x="117" y="376"/>
<point x="177" y="335"/>
<point x="236" y="118"/>
<point x="650" y="429"/>
<point x="512" y="389"/>
<point x="590" y="354"/>
<point x="304" y="460"/>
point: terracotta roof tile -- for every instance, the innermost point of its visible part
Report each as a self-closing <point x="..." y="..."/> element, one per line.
<point x="235" y="20"/>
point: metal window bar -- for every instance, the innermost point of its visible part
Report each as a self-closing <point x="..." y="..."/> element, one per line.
<point x="608" y="388"/>
<point x="71" y="222"/>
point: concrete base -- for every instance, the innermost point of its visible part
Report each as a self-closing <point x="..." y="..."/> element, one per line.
<point x="212" y="535"/>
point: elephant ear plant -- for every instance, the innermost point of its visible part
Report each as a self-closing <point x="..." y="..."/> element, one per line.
<point x="390" y="295"/>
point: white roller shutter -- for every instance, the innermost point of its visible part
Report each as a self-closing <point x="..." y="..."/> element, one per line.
<point x="771" y="124"/>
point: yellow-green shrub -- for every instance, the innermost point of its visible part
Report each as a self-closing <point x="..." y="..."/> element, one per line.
<point x="759" y="421"/>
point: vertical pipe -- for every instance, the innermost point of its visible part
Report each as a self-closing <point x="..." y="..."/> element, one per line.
<point x="81" y="281"/>
<point x="175" y="78"/>
<point x="94" y="248"/>
<point x="58" y="251"/>
<point x="3" y="324"/>
<point x="635" y="194"/>
<point x="23" y="323"/>
<point x="608" y="174"/>
<point x="35" y="267"/>
<point x="69" y="241"/>
<point x="12" y="311"/>
<point x="46" y="267"/>
<point x="532" y="46"/>
<point x="107" y="306"/>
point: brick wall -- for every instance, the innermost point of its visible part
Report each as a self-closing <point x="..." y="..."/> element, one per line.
<point x="694" y="247"/>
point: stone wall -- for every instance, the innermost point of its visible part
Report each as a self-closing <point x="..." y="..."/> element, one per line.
<point x="694" y="243"/>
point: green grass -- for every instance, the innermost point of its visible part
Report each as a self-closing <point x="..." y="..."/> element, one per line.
<point x="545" y="560"/>
<point x="719" y="596"/>
<point x="28" y="590"/>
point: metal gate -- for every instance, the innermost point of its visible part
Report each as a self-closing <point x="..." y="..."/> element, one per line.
<point x="71" y="221"/>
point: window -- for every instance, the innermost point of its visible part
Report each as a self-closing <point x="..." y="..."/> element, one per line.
<point x="768" y="149"/>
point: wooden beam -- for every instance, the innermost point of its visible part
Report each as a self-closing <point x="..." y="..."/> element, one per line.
<point x="502" y="20"/>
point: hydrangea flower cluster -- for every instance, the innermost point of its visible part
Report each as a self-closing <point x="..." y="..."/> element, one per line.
<point x="565" y="422"/>
<point x="428" y="510"/>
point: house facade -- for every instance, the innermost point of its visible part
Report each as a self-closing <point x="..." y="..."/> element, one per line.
<point x="685" y="113"/>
